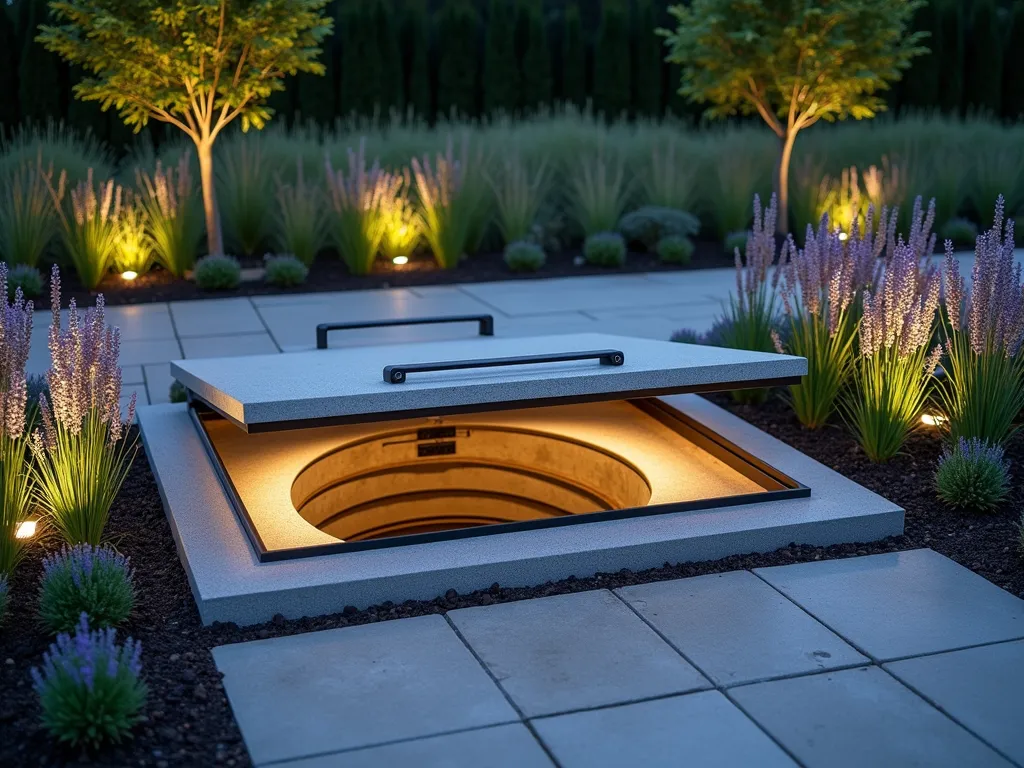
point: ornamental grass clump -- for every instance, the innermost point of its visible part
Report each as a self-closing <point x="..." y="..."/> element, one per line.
<point x="973" y="475"/>
<point x="821" y="287"/>
<point x="447" y="205"/>
<point x="89" y="687"/>
<point x="519" y="193"/>
<point x="401" y="227"/>
<point x="174" y="213"/>
<point x="598" y="193"/>
<point x="133" y="250"/>
<point x="301" y="224"/>
<point x="894" y="366"/>
<point x="27" y="219"/>
<point x="89" y="225"/>
<point x="982" y="392"/>
<point x="752" y="313"/>
<point x="85" y="580"/>
<point x="83" y="450"/>
<point x="359" y="199"/>
<point x="15" y="482"/>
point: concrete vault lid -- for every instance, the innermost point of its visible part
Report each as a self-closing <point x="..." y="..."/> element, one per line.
<point x="331" y="386"/>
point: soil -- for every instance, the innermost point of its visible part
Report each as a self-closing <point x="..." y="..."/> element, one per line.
<point x="187" y="720"/>
<point x="331" y="274"/>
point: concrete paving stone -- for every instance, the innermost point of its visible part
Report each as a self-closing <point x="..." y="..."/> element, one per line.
<point x="158" y="382"/>
<point x="502" y="746"/>
<point x="567" y="652"/>
<point x="141" y="322"/>
<point x="150" y="351"/>
<point x="354" y="687"/>
<point x="132" y="374"/>
<point x="861" y="717"/>
<point x="737" y="629"/>
<point x="229" y="346"/>
<point x="902" y="604"/>
<point x="702" y="730"/>
<point x="215" y="317"/>
<point x="294" y="325"/>
<point x="982" y="688"/>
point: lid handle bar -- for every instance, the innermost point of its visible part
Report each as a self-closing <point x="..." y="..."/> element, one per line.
<point x="397" y="374"/>
<point x="486" y="325"/>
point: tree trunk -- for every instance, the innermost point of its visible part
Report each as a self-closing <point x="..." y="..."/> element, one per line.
<point x="215" y="242"/>
<point x="782" y="181"/>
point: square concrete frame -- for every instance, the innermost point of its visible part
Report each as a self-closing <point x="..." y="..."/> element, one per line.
<point x="230" y="584"/>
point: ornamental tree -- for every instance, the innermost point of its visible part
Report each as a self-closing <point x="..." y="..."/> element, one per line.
<point x="793" y="62"/>
<point x="194" y="64"/>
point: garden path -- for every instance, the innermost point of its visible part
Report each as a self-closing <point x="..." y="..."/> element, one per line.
<point x="887" y="660"/>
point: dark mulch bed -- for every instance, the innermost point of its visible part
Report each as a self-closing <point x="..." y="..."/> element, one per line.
<point x="330" y="274"/>
<point x="188" y="720"/>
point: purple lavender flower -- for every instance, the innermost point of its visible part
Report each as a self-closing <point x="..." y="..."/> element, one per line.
<point x="85" y="580"/>
<point x="15" y="344"/>
<point x="752" y="269"/>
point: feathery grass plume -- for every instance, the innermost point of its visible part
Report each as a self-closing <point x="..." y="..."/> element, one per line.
<point x="982" y="392"/>
<point x="15" y="491"/>
<point x="401" y="227"/>
<point x="89" y="225"/>
<point x="89" y="687"/>
<point x="669" y="179"/>
<point x="821" y="286"/>
<point x="245" y="193"/>
<point x="133" y="251"/>
<point x="175" y="214"/>
<point x="83" y="450"/>
<point x="28" y="222"/>
<point x="358" y="201"/>
<point x="301" y="224"/>
<point x="519" y="192"/>
<point x="598" y="192"/>
<point x="973" y="475"/>
<point x="894" y="367"/>
<point x="446" y="207"/>
<point x="752" y="314"/>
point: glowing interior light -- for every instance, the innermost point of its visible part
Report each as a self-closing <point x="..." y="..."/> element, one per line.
<point x="26" y="529"/>
<point x="400" y="260"/>
<point x="129" y="275"/>
<point x="933" y="419"/>
<point x="843" y="235"/>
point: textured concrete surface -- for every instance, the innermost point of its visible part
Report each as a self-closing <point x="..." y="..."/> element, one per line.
<point x="556" y="681"/>
<point x="231" y="585"/>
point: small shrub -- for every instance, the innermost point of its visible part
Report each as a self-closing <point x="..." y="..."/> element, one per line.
<point x="284" y="271"/>
<point x="605" y="249"/>
<point x="27" y="278"/>
<point x="177" y="393"/>
<point x="973" y="475"/>
<point x="675" y="249"/>
<point x="89" y="687"/>
<point x="961" y="231"/>
<point x="736" y="241"/>
<point x="85" y="580"/>
<point x="218" y="273"/>
<point x="4" y="598"/>
<point x="650" y="224"/>
<point x="524" y="256"/>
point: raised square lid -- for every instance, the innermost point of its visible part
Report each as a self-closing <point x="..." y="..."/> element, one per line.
<point x="332" y="386"/>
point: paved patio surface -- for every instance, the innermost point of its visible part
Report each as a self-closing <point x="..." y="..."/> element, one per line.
<point x="889" y="660"/>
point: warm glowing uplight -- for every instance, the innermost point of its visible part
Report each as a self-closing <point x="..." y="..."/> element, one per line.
<point x="129" y="275"/>
<point x="843" y="235"/>
<point x="933" y="419"/>
<point x="400" y="260"/>
<point x="26" y="529"/>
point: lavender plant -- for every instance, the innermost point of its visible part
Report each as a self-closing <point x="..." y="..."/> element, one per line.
<point x="174" y="214"/>
<point x="89" y="687"/>
<point x="894" y="366"/>
<point x="85" y="580"/>
<point x="15" y="483"/>
<point x="89" y="225"/>
<point x="358" y="199"/>
<point x="753" y="311"/>
<point x="973" y="475"/>
<point x="821" y="288"/>
<point x="447" y="211"/>
<point x="983" y="390"/>
<point x="83" y="450"/>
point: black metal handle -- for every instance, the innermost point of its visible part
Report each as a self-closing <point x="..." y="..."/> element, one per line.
<point x="397" y="374"/>
<point x="486" y="325"/>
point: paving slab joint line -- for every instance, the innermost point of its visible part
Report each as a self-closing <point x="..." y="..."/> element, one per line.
<point x="266" y="327"/>
<point x="722" y="690"/>
<point x="511" y="703"/>
<point x="951" y="650"/>
<point x="348" y="750"/>
<point x="486" y="303"/>
<point x="751" y="718"/>
<point x="948" y="714"/>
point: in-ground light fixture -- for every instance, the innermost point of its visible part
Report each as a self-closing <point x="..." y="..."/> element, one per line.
<point x="129" y="275"/>
<point x="26" y="529"/>
<point x="400" y="260"/>
<point x="933" y="419"/>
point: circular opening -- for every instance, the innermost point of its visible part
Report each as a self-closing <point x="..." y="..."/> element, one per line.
<point x="395" y="483"/>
